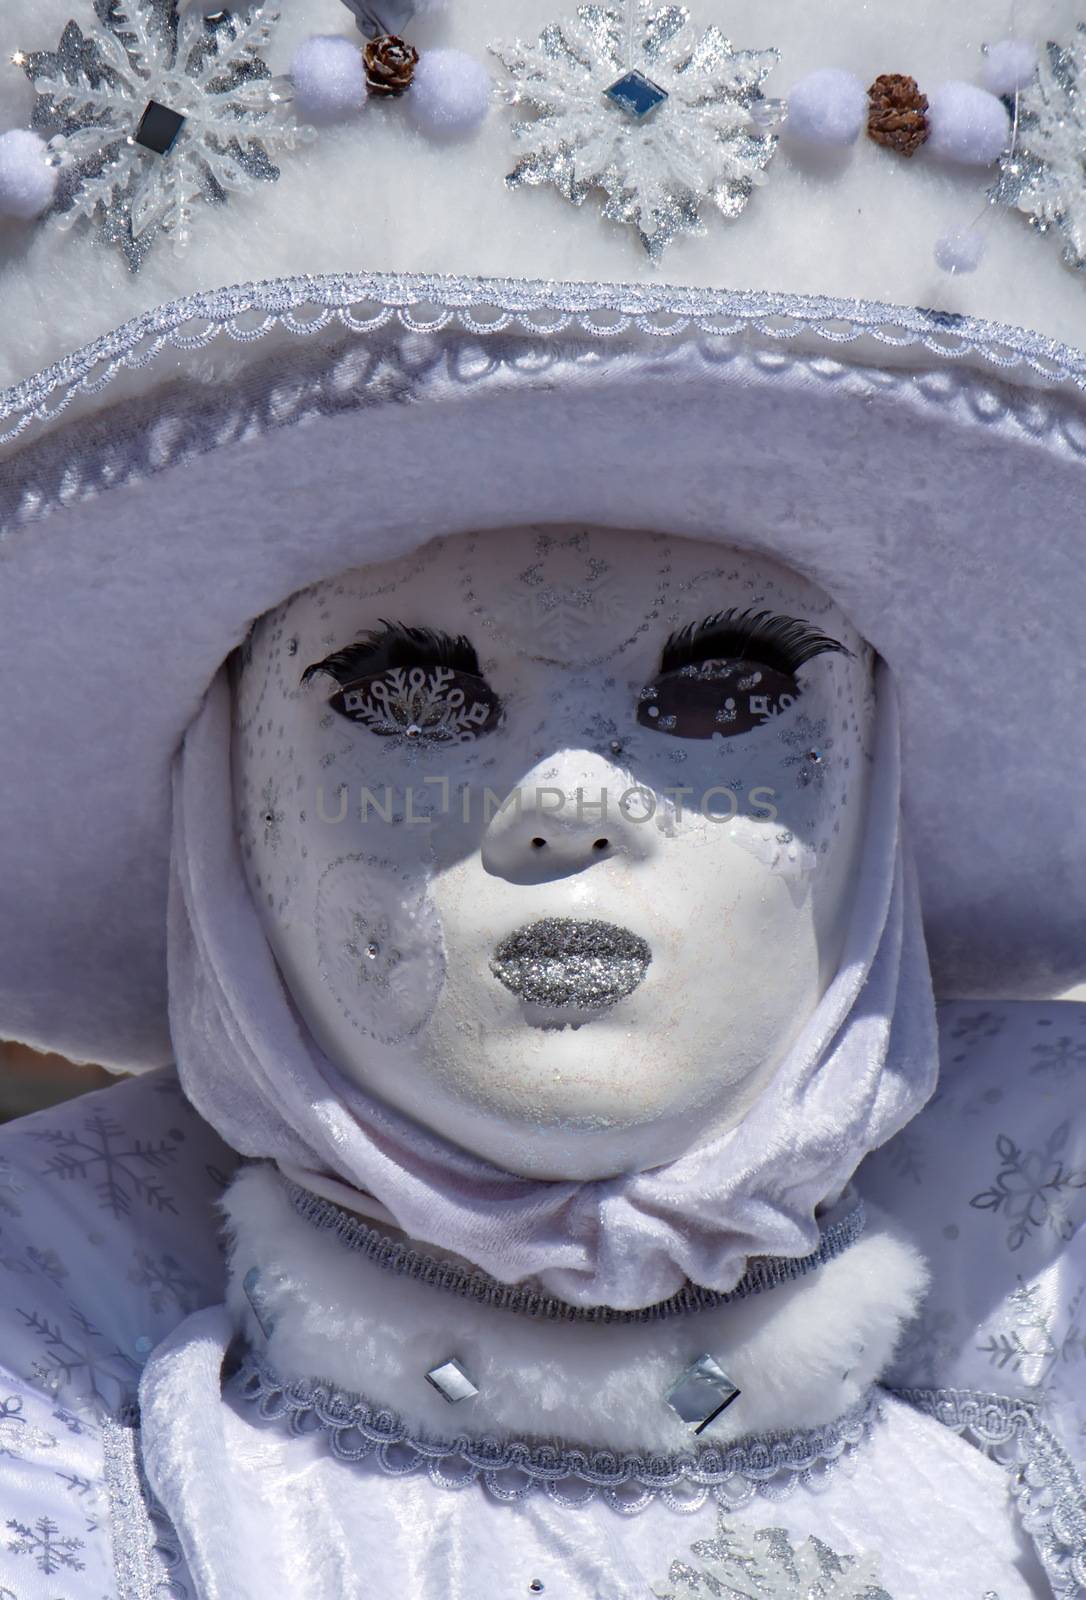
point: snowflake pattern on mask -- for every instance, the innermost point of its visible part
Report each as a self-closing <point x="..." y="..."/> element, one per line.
<point x="417" y="706"/>
<point x="639" y="107"/>
<point x="95" y="91"/>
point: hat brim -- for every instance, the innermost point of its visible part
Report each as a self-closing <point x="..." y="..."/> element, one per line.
<point x="938" y="504"/>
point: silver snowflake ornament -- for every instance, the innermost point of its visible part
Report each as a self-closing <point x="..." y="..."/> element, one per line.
<point x="1044" y="173"/>
<point x="767" y="1563"/>
<point x="642" y="109"/>
<point x="156" y="112"/>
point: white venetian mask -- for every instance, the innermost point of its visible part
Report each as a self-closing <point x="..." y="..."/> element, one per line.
<point x="554" y="843"/>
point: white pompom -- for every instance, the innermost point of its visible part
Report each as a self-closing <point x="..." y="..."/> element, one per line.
<point x="962" y="251"/>
<point x="450" y="92"/>
<point x="966" y="124"/>
<point x="328" y="76"/>
<point x="1009" y="65"/>
<point x="27" y="181"/>
<point x="827" y="107"/>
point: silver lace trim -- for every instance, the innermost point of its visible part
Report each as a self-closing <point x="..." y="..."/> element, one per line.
<point x="147" y="1558"/>
<point x="429" y="303"/>
<point x="764" y="1272"/>
<point x="1047" y="1487"/>
<point x="771" y="1464"/>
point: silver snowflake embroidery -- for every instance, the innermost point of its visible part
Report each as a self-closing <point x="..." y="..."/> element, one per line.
<point x="166" y="1279"/>
<point x="1042" y="175"/>
<point x="123" y="1166"/>
<point x="1062" y="1058"/>
<point x="1030" y="1347"/>
<point x="766" y="1564"/>
<point x="1033" y="1188"/>
<point x="81" y="1363"/>
<point x="640" y="108"/>
<point x="44" y="1542"/>
<point x="17" y="1434"/>
<point x="370" y="948"/>
<point x="156" y="112"/>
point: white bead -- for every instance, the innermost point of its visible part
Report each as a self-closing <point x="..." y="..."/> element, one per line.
<point x="450" y="92"/>
<point x="27" y="181"/>
<point x="328" y="76"/>
<point x="966" y="124"/>
<point x="1009" y="65"/>
<point x="962" y="251"/>
<point x="827" y="107"/>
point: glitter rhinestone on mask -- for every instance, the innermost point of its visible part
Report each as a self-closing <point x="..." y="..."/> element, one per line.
<point x="634" y="104"/>
<point x="156" y="112"/>
<point x="562" y="961"/>
<point x="1042" y="174"/>
<point x="807" y="744"/>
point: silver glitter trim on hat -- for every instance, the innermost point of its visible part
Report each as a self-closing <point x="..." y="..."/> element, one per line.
<point x="494" y="308"/>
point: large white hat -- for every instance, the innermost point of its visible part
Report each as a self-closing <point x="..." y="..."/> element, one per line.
<point x="411" y="346"/>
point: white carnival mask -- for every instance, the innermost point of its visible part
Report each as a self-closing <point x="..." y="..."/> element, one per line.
<point x="553" y="832"/>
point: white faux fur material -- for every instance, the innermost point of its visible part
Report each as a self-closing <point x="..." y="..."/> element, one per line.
<point x="374" y="194"/>
<point x="801" y="1353"/>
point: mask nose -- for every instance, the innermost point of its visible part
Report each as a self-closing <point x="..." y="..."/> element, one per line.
<point x="568" y="812"/>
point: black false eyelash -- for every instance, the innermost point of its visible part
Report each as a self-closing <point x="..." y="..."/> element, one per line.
<point x="394" y="644"/>
<point x="782" y="643"/>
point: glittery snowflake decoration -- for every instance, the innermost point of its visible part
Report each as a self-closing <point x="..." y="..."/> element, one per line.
<point x="639" y="107"/>
<point x="1044" y="174"/>
<point x="764" y="1562"/>
<point x="155" y="112"/>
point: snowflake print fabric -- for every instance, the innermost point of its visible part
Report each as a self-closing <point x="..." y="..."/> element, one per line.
<point x="155" y="113"/>
<point x="643" y="109"/>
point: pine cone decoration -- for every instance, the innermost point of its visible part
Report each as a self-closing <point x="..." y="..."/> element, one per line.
<point x="390" y="64"/>
<point x="896" y="115"/>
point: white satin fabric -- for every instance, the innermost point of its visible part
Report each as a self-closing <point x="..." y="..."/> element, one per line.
<point x="262" y="1512"/>
<point x="861" y="1068"/>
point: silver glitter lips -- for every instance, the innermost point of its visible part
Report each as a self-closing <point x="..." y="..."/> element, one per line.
<point x="566" y="961"/>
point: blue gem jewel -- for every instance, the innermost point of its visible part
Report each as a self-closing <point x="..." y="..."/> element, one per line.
<point x="635" y="94"/>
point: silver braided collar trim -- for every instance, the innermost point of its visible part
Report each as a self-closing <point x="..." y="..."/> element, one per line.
<point x="1047" y="1487"/>
<point x="770" y="1464"/>
<point x="763" y="1272"/>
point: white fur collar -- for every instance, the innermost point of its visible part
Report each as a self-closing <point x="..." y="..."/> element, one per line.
<point x="802" y="1354"/>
